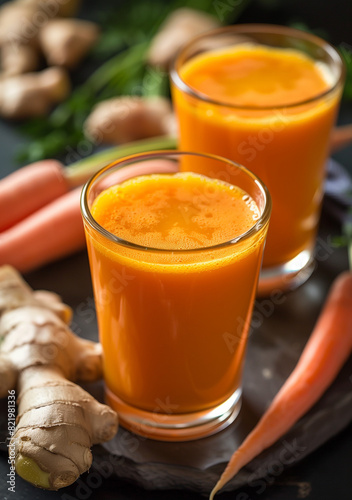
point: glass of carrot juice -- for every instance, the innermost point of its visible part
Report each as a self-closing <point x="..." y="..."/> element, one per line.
<point x="175" y="259"/>
<point x="267" y="98"/>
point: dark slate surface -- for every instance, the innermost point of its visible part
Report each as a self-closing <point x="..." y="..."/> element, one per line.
<point x="277" y="338"/>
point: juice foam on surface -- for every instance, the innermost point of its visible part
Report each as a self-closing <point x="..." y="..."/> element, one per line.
<point x="255" y="76"/>
<point x="182" y="211"/>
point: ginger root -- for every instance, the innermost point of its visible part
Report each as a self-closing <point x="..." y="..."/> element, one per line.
<point x="29" y="27"/>
<point x="57" y="420"/>
<point x="65" y="42"/>
<point x="18" y="39"/>
<point x="66" y="8"/>
<point x="17" y="23"/>
<point x="17" y="59"/>
<point x="33" y="94"/>
<point x="29" y="30"/>
<point x="126" y="119"/>
<point x="178" y="28"/>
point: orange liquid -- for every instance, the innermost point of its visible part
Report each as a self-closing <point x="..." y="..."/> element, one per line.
<point x="173" y="325"/>
<point x="286" y="145"/>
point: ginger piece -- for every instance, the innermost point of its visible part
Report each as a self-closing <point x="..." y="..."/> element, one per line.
<point x="8" y="376"/>
<point x="65" y="8"/>
<point x="57" y="420"/>
<point x="179" y="27"/>
<point x="65" y="42"/>
<point x="18" y="38"/>
<point x="18" y="23"/>
<point x="21" y="24"/>
<point x="18" y="58"/>
<point x="33" y="94"/>
<point x="126" y="119"/>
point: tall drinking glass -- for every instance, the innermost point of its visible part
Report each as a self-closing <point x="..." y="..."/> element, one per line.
<point x="266" y="97"/>
<point x="175" y="259"/>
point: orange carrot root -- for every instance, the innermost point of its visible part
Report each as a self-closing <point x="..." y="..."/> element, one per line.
<point x="28" y="189"/>
<point x="52" y="232"/>
<point x="327" y="349"/>
<point x="341" y="137"/>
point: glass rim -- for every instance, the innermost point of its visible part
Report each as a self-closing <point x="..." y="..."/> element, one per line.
<point x="131" y="159"/>
<point x="257" y="28"/>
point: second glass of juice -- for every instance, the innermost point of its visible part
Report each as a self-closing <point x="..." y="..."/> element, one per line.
<point x="175" y="259"/>
<point x="265" y="97"/>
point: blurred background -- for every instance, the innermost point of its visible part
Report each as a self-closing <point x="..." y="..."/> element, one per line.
<point x="125" y="25"/>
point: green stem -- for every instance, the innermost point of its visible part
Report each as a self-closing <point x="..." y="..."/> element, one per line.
<point x="79" y="172"/>
<point x="108" y="74"/>
<point x="117" y="64"/>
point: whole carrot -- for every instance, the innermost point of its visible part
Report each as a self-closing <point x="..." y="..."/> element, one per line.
<point x="56" y="230"/>
<point x="327" y="349"/>
<point x="50" y="233"/>
<point x="28" y="189"/>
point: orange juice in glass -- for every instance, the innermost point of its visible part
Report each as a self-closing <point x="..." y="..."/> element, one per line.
<point x="175" y="259"/>
<point x="265" y="97"/>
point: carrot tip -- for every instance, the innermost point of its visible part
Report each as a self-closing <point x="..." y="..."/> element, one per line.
<point x="214" y="491"/>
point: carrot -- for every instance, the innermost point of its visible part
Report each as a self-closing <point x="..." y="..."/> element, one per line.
<point x="341" y="137"/>
<point x="56" y="230"/>
<point x="324" y="354"/>
<point x="52" y="232"/>
<point x="29" y="189"/>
